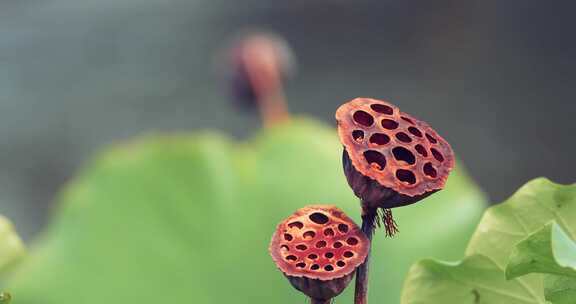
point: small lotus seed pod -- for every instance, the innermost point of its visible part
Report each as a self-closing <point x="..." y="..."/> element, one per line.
<point x="318" y="249"/>
<point x="390" y="158"/>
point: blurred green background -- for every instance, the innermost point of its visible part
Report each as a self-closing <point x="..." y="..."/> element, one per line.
<point x="496" y="78"/>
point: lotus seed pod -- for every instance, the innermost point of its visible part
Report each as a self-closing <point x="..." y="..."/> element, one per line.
<point x="318" y="249"/>
<point x="269" y="58"/>
<point x="390" y="158"/>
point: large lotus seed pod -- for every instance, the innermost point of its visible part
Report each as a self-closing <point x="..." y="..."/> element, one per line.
<point x="318" y="248"/>
<point x="390" y="158"/>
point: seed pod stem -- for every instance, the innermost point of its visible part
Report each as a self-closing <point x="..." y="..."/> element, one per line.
<point x="369" y="216"/>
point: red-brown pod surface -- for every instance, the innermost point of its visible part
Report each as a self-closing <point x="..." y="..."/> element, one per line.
<point x="318" y="249"/>
<point x="390" y="158"/>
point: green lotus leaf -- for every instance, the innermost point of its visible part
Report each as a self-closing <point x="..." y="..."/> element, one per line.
<point x="501" y="228"/>
<point x="474" y="280"/>
<point x="187" y="219"/>
<point x="560" y="289"/>
<point x="548" y="250"/>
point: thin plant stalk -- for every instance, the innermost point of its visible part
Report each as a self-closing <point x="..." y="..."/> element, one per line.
<point x="369" y="216"/>
<point x="272" y="106"/>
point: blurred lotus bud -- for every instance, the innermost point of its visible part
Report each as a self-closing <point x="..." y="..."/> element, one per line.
<point x="259" y="63"/>
<point x="390" y="158"/>
<point x="318" y="249"/>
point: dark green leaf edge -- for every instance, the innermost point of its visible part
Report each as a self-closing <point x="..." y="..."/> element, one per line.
<point x="563" y="194"/>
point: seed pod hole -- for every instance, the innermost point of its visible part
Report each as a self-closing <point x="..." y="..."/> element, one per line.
<point x="343" y="228"/>
<point x="437" y="155"/>
<point x="340" y="264"/>
<point x="403" y="137"/>
<point x="284" y="248"/>
<point x="406" y="176"/>
<point x="298" y="225"/>
<point x="421" y="150"/>
<point x="301" y="247"/>
<point x="429" y="170"/>
<point x="315" y="267"/>
<point x="415" y="131"/>
<point x="375" y="159"/>
<point x="301" y="265"/>
<point x="328" y="267"/>
<point x="291" y="258"/>
<point x="380" y="108"/>
<point x="352" y="241"/>
<point x="363" y="118"/>
<point x="329" y="255"/>
<point x="358" y="135"/>
<point x="389" y="124"/>
<point x="431" y="138"/>
<point x="329" y="232"/>
<point x="348" y="254"/>
<point x="321" y="244"/>
<point x="379" y="139"/>
<point x="403" y="154"/>
<point x="288" y="237"/>
<point x="319" y="218"/>
<point x="407" y="119"/>
<point x="312" y="256"/>
<point x="337" y="245"/>
<point x="309" y="235"/>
